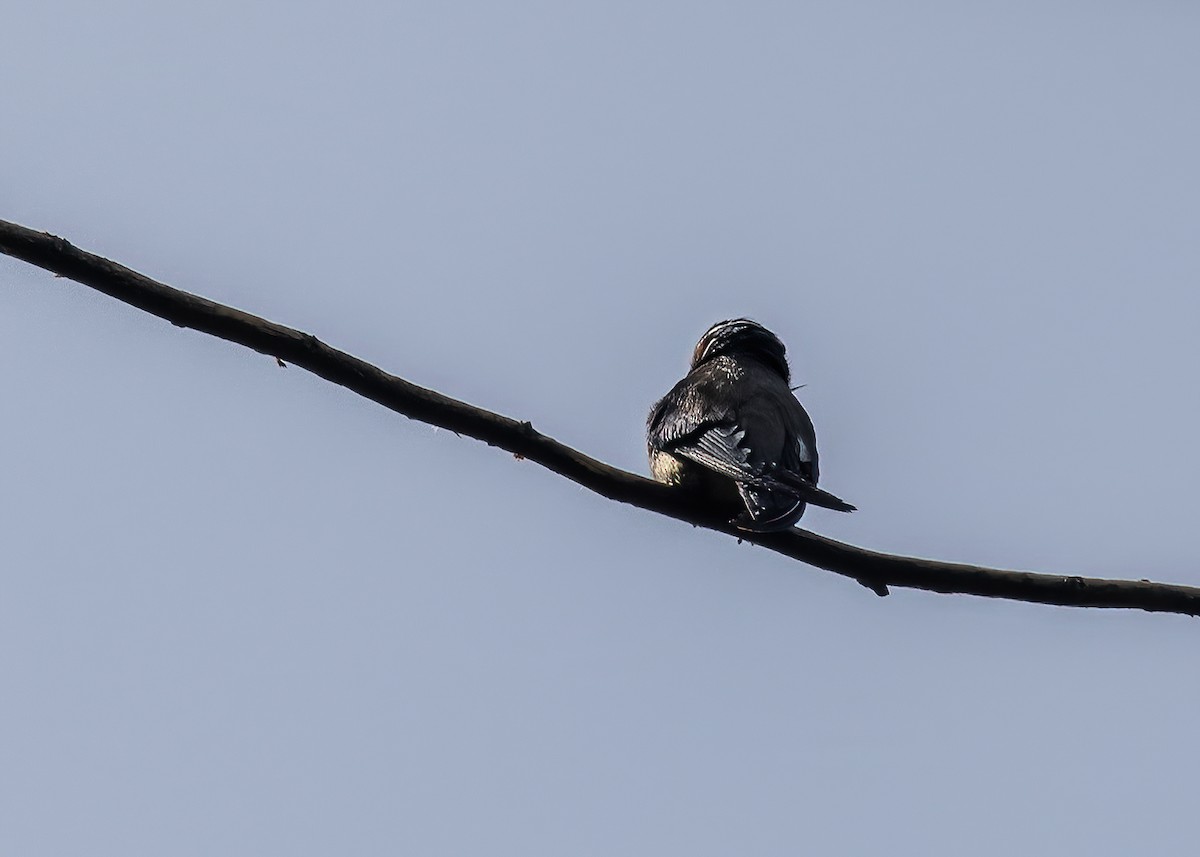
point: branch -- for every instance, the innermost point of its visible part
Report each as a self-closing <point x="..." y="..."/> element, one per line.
<point x="874" y="570"/>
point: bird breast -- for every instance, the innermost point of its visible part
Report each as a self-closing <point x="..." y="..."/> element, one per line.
<point x="673" y="470"/>
<point x="667" y="468"/>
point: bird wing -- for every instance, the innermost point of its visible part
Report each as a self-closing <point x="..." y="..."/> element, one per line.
<point x="693" y="422"/>
<point x="719" y="448"/>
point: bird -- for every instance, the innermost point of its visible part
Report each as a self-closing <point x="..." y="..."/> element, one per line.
<point x="733" y="432"/>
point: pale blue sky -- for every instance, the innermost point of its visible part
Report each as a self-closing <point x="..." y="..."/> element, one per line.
<point x="243" y="612"/>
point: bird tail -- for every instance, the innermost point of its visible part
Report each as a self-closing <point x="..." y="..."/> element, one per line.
<point x="809" y="493"/>
<point x="813" y="494"/>
<point x="777" y="504"/>
<point x="768" y="509"/>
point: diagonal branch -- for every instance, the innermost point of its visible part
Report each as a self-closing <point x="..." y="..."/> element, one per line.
<point x="874" y="570"/>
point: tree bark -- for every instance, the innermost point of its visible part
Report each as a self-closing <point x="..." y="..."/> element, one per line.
<point x="876" y="571"/>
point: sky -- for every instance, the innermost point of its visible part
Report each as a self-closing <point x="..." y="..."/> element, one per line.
<point x="245" y="612"/>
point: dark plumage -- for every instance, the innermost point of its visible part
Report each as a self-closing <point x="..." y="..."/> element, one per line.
<point x="732" y="431"/>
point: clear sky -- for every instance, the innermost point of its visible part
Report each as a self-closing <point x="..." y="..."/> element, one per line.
<point x="244" y="612"/>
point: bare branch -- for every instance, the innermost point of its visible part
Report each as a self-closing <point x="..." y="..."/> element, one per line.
<point x="874" y="570"/>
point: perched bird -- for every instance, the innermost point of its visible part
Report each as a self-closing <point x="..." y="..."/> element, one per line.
<point x="733" y="432"/>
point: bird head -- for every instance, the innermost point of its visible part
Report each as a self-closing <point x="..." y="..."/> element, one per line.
<point x="742" y="337"/>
